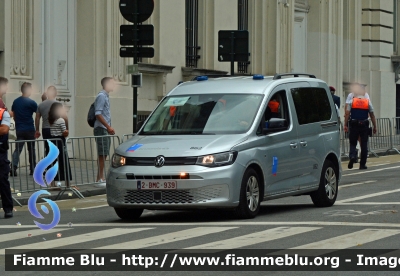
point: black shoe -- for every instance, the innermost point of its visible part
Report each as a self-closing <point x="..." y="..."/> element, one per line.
<point x="13" y="172"/>
<point x="8" y="214"/>
<point x="31" y="173"/>
<point x="351" y="163"/>
<point x="363" y="167"/>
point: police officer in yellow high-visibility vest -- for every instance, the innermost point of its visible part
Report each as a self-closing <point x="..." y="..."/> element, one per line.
<point x="5" y="190"/>
<point x="359" y="109"/>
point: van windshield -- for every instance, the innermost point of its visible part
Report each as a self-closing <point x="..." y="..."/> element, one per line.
<point x="205" y="114"/>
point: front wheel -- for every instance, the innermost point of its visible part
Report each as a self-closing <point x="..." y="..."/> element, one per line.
<point x="249" y="202"/>
<point x="128" y="214"/>
<point x="327" y="192"/>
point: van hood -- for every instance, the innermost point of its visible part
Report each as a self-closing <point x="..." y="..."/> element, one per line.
<point x="179" y="146"/>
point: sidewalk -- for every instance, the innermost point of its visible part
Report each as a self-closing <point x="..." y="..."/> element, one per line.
<point x="86" y="190"/>
<point x="374" y="161"/>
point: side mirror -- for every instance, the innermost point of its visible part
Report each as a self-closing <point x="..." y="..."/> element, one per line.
<point x="275" y="125"/>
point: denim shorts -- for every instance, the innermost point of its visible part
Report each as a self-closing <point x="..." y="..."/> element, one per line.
<point x="103" y="143"/>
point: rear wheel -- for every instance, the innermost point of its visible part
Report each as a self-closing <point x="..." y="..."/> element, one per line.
<point x="128" y="214"/>
<point x="327" y="192"/>
<point x="249" y="203"/>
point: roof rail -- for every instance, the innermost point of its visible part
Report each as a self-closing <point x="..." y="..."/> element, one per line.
<point x="296" y="75"/>
<point x="212" y="76"/>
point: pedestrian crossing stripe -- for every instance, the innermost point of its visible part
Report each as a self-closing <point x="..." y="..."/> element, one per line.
<point x="255" y="238"/>
<point x="348" y="240"/>
<point x="223" y="223"/>
<point x="168" y="238"/>
<point x="239" y="241"/>
<point x="92" y="236"/>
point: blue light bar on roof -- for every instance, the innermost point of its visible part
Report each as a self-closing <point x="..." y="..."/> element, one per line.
<point x="202" y="78"/>
<point x="258" y="77"/>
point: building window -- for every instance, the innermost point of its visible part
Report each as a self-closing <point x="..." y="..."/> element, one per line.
<point x="192" y="33"/>
<point x="243" y="24"/>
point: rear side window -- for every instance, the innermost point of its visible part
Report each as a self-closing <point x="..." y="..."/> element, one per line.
<point x="312" y="105"/>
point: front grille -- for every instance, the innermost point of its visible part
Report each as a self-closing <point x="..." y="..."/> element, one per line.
<point x="169" y="161"/>
<point x="173" y="197"/>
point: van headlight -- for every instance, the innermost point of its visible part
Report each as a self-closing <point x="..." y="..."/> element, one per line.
<point x="118" y="161"/>
<point x="217" y="160"/>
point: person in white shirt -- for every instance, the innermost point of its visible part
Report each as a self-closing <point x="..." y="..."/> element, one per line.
<point x="349" y="101"/>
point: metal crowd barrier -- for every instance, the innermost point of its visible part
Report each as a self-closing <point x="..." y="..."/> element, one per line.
<point x="396" y="131"/>
<point x="383" y="139"/>
<point x="344" y="142"/>
<point x="126" y="137"/>
<point x="23" y="156"/>
<point x="84" y="162"/>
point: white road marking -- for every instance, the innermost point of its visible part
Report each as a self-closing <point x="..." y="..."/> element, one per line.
<point x="368" y="196"/>
<point x="368" y="203"/>
<point x="78" y="239"/>
<point x="344" y="241"/>
<point x="371" y="171"/>
<point x="93" y="207"/>
<point x="349" y="240"/>
<point x="255" y="238"/>
<point x="24" y="234"/>
<point x="356" y="184"/>
<point x="167" y="238"/>
<point x="370" y="165"/>
<point x="239" y="223"/>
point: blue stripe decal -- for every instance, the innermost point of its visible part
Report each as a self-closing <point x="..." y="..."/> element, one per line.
<point x="274" y="165"/>
<point x="134" y="148"/>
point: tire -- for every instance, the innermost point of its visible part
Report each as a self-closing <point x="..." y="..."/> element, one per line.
<point x="128" y="214"/>
<point x="249" y="207"/>
<point x="327" y="192"/>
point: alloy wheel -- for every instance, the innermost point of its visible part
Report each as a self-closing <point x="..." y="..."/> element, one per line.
<point x="252" y="193"/>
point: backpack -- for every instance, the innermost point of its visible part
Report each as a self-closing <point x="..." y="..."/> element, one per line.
<point x="91" y="117"/>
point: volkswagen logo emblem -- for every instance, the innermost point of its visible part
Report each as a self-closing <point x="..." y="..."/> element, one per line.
<point x="160" y="161"/>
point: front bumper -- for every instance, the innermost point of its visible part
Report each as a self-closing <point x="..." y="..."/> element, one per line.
<point x="206" y="188"/>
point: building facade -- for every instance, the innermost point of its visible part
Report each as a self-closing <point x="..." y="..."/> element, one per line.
<point x="73" y="44"/>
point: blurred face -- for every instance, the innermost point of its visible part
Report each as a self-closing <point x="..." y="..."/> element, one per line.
<point x="28" y="91"/>
<point x="3" y="89"/>
<point x="59" y="111"/>
<point x="357" y="90"/>
<point x="51" y="93"/>
<point x="109" y="86"/>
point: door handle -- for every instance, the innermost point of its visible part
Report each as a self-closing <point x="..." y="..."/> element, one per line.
<point x="303" y="144"/>
<point x="293" y="145"/>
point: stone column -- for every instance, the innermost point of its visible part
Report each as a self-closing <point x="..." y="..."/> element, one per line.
<point x="325" y="41"/>
<point x="213" y="17"/>
<point x="271" y="36"/>
<point x="377" y="48"/>
<point x="352" y="13"/>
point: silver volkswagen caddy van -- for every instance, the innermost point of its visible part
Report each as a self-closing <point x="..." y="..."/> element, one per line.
<point x="231" y="142"/>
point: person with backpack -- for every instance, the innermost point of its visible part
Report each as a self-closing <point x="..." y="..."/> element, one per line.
<point x="102" y="127"/>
